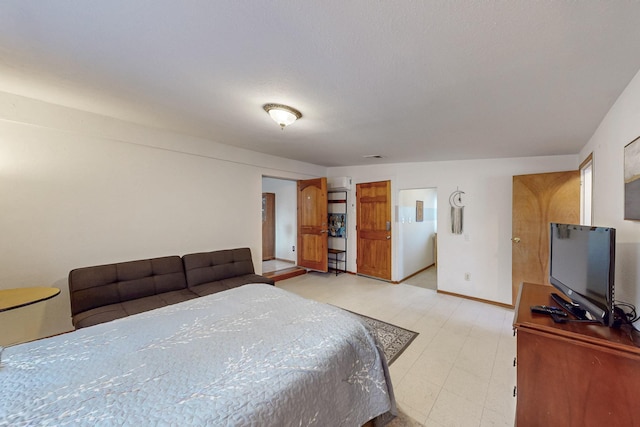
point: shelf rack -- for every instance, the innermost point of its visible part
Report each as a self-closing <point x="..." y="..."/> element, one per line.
<point x="337" y="223"/>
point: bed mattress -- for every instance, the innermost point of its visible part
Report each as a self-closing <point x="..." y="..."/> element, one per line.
<point x="251" y="356"/>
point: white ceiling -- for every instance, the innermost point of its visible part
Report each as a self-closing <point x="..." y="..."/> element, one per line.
<point x="408" y="80"/>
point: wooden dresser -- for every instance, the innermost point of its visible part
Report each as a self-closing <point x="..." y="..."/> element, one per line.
<point x="573" y="374"/>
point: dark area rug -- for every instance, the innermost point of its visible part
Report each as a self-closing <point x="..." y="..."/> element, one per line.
<point x="394" y="339"/>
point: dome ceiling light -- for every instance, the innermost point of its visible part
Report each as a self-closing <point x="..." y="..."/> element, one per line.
<point x="282" y="114"/>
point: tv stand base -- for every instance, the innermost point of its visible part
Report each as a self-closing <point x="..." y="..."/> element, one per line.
<point x="594" y="371"/>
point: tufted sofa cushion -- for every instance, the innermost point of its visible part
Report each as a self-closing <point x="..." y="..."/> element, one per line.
<point x="107" y="292"/>
<point x="210" y="272"/>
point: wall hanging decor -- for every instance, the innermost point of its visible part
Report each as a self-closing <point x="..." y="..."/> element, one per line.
<point x="337" y="225"/>
<point x="419" y="211"/>
<point x="457" y="211"/>
<point x="632" y="180"/>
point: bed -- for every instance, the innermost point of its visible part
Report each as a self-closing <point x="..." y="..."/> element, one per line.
<point x="250" y="356"/>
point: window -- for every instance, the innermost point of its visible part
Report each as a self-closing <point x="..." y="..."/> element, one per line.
<point x="586" y="190"/>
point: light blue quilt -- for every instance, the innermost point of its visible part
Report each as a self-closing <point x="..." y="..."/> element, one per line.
<point x="251" y="356"/>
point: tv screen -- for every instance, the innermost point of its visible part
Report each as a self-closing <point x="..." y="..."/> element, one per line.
<point x="582" y="265"/>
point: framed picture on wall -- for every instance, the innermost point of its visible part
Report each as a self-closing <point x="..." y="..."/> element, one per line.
<point x="419" y="211"/>
<point x="632" y="180"/>
<point x="337" y="225"/>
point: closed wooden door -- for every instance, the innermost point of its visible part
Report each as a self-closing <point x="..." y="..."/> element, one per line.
<point x="373" y="206"/>
<point x="312" y="224"/>
<point x="268" y="226"/>
<point x="539" y="200"/>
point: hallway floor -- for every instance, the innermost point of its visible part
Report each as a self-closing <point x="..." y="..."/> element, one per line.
<point x="275" y="265"/>
<point x="427" y="279"/>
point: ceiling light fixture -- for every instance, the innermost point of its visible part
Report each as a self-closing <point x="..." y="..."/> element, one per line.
<point x="282" y="114"/>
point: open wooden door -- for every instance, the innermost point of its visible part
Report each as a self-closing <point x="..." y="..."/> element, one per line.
<point x="312" y="224"/>
<point x="537" y="201"/>
<point x="373" y="205"/>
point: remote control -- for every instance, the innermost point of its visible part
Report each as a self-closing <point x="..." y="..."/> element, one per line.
<point x="543" y="309"/>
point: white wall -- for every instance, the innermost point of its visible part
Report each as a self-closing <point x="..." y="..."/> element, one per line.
<point x="484" y="250"/>
<point x="619" y="127"/>
<point x="77" y="189"/>
<point x="415" y="239"/>
<point x="286" y="215"/>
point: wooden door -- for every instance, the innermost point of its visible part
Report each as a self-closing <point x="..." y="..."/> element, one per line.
<point x="268" y="226"/>
<point x="537" y="201"/>
<point x="312" y="224"/>
<point x="373" y="226"/>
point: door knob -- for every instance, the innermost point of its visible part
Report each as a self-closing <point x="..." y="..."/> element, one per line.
<point x="515" y="239"/>
<point x="388" y="237"/>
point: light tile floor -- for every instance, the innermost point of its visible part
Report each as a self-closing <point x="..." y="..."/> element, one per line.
<point x="458" y="372"/>
<point x="427" y="279"/>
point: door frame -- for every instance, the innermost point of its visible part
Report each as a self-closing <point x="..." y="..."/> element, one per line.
<point x="392" y="247"/>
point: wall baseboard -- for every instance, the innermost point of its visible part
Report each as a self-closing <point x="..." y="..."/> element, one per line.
<point x="486" y="301"/>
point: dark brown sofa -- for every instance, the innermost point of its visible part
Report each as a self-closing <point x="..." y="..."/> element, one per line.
<point x="211" y="272"/>
<point x="107" y="292"/>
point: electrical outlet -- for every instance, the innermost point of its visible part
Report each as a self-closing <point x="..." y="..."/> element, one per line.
<point x="467" y="276"/>
<point x="293" y="248"/>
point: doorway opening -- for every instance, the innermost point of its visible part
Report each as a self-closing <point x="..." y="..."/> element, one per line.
<point x="279" y="225"/>
<point x="417" y="237"/>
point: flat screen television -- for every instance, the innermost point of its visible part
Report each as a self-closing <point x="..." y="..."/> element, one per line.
<point x="582" y="267"/>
